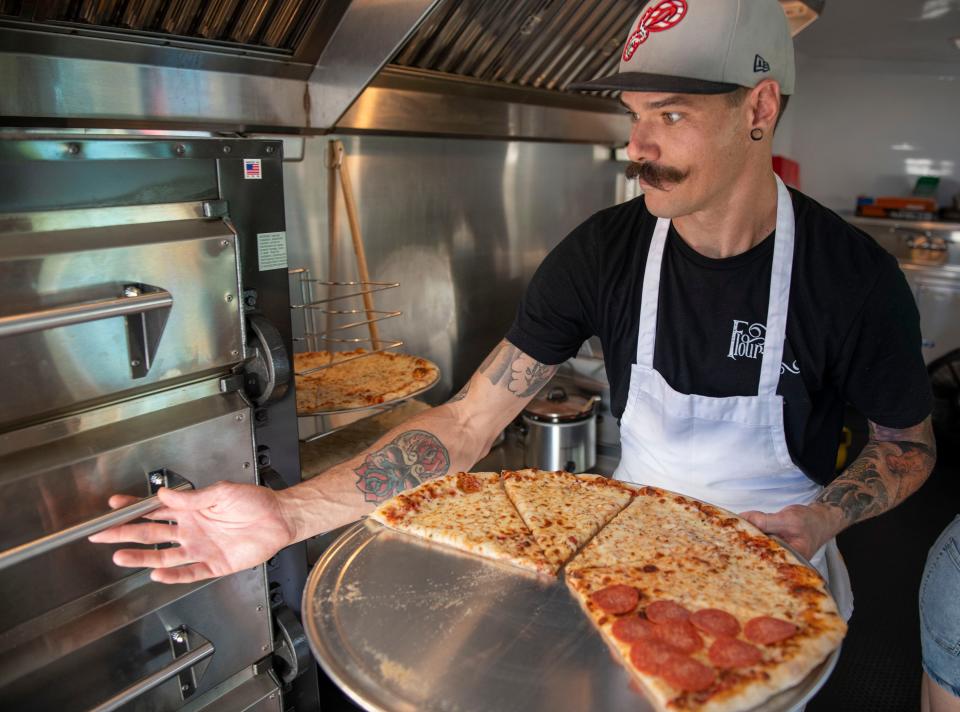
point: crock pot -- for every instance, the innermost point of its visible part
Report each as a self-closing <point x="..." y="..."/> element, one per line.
<point x="560" y="431"/>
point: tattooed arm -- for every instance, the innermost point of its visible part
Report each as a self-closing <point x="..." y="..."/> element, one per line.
<point x="891" y="467"/>
<point x="228" y="527"/>
<point x="448" y="438"/>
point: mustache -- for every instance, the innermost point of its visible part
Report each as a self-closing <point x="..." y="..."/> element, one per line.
<point x="656" y="175"/>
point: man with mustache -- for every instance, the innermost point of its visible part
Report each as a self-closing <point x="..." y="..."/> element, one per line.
<point x="737" y="317"/>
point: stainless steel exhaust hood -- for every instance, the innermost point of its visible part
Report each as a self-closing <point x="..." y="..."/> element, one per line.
<point x="488" y="68"/>
<point x="224" y="64"/>
<point x="493" y="67"/>
<point x="500" y="69"/>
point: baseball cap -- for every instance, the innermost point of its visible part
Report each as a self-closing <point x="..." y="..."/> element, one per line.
<point x="704" y="47"/>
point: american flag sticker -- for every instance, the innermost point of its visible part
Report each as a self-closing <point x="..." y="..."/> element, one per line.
<point x="251" y="168"/>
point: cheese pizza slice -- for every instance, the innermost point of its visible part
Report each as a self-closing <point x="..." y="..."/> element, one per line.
<point x="659" y="522"/>
<point x="564" y="510"/>
<point x="469" y="511"/>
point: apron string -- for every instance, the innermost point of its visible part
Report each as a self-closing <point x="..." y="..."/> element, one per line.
<point x="650" y="297"/>
<point x="780" y="277"/>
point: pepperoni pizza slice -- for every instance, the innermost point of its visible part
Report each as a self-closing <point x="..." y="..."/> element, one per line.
<point x="564" y="510"/>
<point x="470" y="512"/>
<point x="690" y="647"/>
<point x="704" y="610"/>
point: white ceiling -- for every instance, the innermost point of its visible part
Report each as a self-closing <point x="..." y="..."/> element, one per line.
<point x="899" y="30"/>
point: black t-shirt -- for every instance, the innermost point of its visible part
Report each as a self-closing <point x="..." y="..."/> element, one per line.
<point x="853" y="331"/>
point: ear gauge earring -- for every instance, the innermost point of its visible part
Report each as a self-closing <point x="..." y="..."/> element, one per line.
<point x="757" y="134"/>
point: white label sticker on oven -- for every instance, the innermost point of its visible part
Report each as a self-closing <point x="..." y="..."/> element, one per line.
<point x="272" y="250"/>
<point x="251" y="168"/>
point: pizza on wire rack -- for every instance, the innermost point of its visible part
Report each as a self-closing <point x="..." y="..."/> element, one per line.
<point x="705" y="612"/>
<point x="349" y="381"/>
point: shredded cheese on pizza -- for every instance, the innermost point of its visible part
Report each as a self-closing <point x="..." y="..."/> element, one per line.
<point x="563" y="510"/>
<point x="470" y="512"/>
<point x="349" y="382"/>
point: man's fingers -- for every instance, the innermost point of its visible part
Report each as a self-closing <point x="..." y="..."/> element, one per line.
<point x="122" y="500"/>
<point x="136" y="534"/>
<point x="191" y="500"/>
<point x="769" y="523"/>
<point x="182" y="574"/>
<point x="757" y="519"/>
<point x="152" y="558"/>
<point x="784" y="525"/>
<point x="164" y="514"/>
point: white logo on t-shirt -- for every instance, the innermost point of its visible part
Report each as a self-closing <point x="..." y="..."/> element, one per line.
<point x="746" y="341"/>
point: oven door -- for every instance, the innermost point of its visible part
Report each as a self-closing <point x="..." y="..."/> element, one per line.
<point x="144" y="647"/>
<point x="96" y="314"/>
<point x="77" y="628"/>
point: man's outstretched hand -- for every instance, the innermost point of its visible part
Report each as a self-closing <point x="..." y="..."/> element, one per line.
<point x="217" y="530"/>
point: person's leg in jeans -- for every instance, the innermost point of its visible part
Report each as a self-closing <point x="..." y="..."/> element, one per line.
<point x="940" y="623"/>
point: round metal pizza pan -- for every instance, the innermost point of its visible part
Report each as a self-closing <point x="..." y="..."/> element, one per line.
<point x="405" y="625"/>
<point x="393" y="401"/>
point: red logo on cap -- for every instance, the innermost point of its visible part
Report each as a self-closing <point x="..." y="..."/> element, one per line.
<point x="656" y="19"/>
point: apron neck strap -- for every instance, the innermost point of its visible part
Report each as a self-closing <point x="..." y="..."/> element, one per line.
<point x="780" y="277"/>
<point x="650" y="297"/>
<point x="776" y="307"/>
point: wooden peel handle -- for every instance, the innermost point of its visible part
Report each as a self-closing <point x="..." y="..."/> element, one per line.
<point x="347" y="188"/>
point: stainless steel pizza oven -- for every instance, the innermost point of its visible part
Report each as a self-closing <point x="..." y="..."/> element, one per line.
<point x="144" y="334"/>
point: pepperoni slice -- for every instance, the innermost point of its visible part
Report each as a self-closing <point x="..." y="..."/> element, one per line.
<point x="662" y="611"/>
<point x="632" y="628"/>
<point x="687" y="674"/>
<point x="733" y="653"/>
<point x="650" y="655"/>
<point x="617" y="599"/>
<point x="715" y="622"/>
<point x="680" y="635"/>
<point x="767" y="631"/>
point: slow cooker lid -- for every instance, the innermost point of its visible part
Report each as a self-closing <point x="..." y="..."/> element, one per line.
<point x="557" y="406"/>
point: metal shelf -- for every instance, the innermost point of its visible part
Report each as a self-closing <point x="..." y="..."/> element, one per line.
<point x="322" y="328"/>
<point x="313" y="308"/>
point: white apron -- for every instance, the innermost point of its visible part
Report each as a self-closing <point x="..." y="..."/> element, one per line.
<point x="731" y="452"/>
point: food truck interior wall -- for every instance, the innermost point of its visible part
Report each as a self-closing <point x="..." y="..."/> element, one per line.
<point x="462" y="224"/>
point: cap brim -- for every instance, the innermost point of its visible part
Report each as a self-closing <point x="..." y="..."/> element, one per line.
<point x="640" y="81"/>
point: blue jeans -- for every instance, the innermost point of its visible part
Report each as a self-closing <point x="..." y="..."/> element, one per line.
<point x="940" y="610"/>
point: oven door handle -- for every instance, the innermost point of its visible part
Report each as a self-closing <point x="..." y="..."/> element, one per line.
<point x="183" y="660"/>
<point x="145" y="307"/>
<point x="85" y="529"/>
<point x="82" y="312"/>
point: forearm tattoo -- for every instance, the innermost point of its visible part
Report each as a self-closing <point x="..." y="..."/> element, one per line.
<point x="406" y="461"/>
<point x="521" y="374"/>
<point x="891" y="467"/>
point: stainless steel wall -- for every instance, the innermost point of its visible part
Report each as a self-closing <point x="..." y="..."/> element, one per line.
<point x="461" y="224"/>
